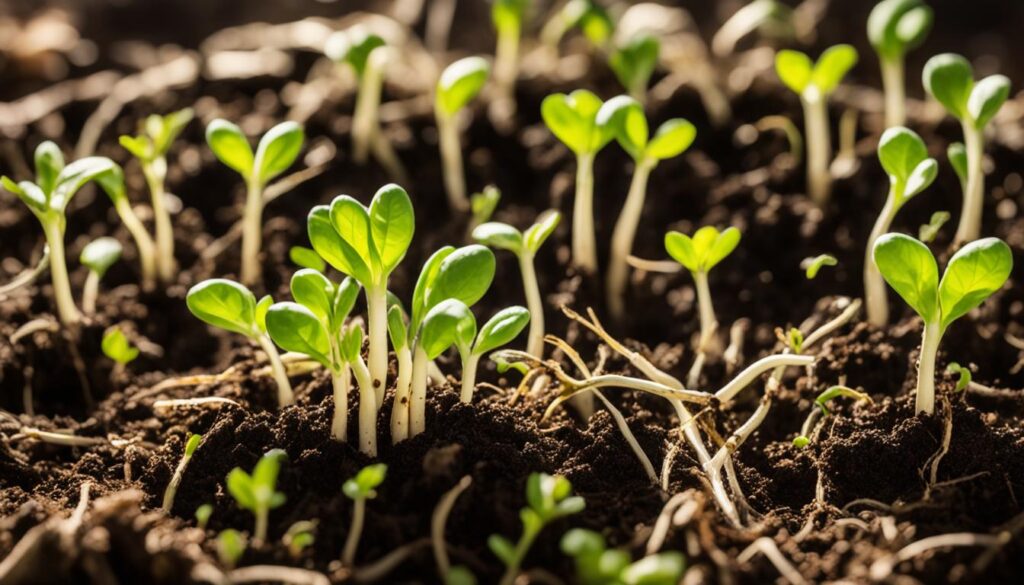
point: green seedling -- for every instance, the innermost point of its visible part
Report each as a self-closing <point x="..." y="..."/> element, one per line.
<point x="459" y="83"/>
<point x="277" y="151"/>
<point x="963" y="375"/>
<point x="905" y="159"/>
<point x="459" y="575"/>
<point x="699" y="255"/>
<point x="895" y="27"/>
<point x="525" y="247"/>
<point x="258" y="492"/>
<point x="957" y="155"/>
<point x="231" y="545"/>
<point x="228" y="305"/>
<point x="299" y="536"/>
<point x="306" y="258"/>
<point x="596" y="564"/>
<point x="312" y="325"/>
<point x="634" y="62"/>
<point x="360" y="488"/>
<point x="972" y="275"/>
<point x="573" y="120"/>
<point x="179" y="472"/>
<point x="586" y="15"/>
<point x="626" y="118"/>
<point x="482" y="206"/>
<point x="370" y="400"/>
<point x="113" y="185"/>
<point x="814" y="264"/>
<point x="822" y="401"/>
<point x="548" y="498"/>
<point x="98" y="256"/>
<point x="814" y="82"/>
<point x="367" y="243"/>
<point x="507" y="17"/>
<point x="150" y="146"/>
<point x="949" y="78"/>
<point x="929" y="231"/>
<point x="48" y="198"/>
<point x="203" y="514"/>
<point x="115" y="345"/>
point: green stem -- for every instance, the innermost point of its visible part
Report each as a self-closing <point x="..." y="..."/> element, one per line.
<point x="143" y="242"/>
<point x="534" y="302"/>
<point x="925" y="401"/>
<point x="377" y="325"/>
<point x="522" y="547"/>
<point x="895" y="94"/>
<point x="252" y="233"/>
<point x="66" y="309"/>
<point x="155" y="175"/>
<point x="819" y="146"/>
<point x="875" y="293"/>
<point x="451" y="159"/>
<point x="348" y="555"/>
<point x="469" y="366"/>
<point x="974" y="194"/>
<point x="260" y="530"/>
<point x="285" y="396"/>
<point x="623" y="237"/>
<point x="172" y="488"/>
<point x="584" y="246"/>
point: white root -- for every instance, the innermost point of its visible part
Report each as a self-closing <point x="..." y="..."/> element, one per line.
<point x="277" y="574"/>
<point x="883" y="567"/>
<point x="202" y="402"/>
<point x="770" y="550"/>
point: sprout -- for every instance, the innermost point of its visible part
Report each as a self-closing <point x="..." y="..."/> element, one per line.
<point x="276" y="151"/>
<point x="813" y="265"/>
<point x="804" y="438"/>
<point x="928" y="232"/>
<point x="370" y="400"/>
<point x="117" y="347"/>
<point x="360" y="488"/>
<point x="895" y="27"/>
<point x="587" y="15"/>
<point x="634" y="62"/>
<point x="113" y="185"/>
<point x="597" y="565"/>
<point x="525" y="247"/>
<point x="482" y="206"/>
<point x="963" y="375"/>
<point x="548" y="498"/>
<point x="507" y="17"/>
<point x="905" y="159"/>
<point x="367" y="244"/>
<point x="957" y="155"/>
<point x="150" y="147"/>
<point x="257" y="492"/>
<point x="459" y="83"/>
<point x="626" y="118"/>
<point x="98" y="256"/>
<point x="949" y="79"/>
<point x="231" y="545"/>
<point x="973" y="274"/>
<point x="573" y="120"/>
<point x="48" y="198"/>
<point x="172" y="488"/>
<point x="699" y="255"/>
<point x="814" y="82"/>
<point x="299" y="536"/>
<point x="230" y="306"/>
<point x="203" y="514"/>
<point x="306" y="258"/>
<point x="312" y="325"/>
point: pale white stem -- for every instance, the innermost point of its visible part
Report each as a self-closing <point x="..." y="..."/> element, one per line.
<point x="534" y="302"/>
<point x="277" y="574"/>
<point x="365" y="119"/>
<point x="745" y="21"/>
<point x="925" y="401"/>
<point x="819" y="145"/>
<point x="341" y="382"/>
<point x="66" y="309"/>
<point x="469" y="366"/>
<point x="161" y="405"/>
<point x="386" y="156"/>
<point x="974" y="194"/>
<point x="377" y="332"/>
<point x="440" y="14"/>
<point x="90" y="291"/>
<point x="506" y="70"/>
<point x="627" y="434"/>
<point x="766" y="546"/>
<point x="252" y="233"/>
<point x="437" y="523"/>
<point x="751" y="373"/>
<point x="828" y="328"/>
<point x="172" y="488"/>
<point x="400" y="408"/>
<point x="883" y="567"/>
<point x="623" y="237"/>
<point x="693" y="376"/>
<point x="875" y="293"/>
<point x="285" y="396"/>
<point x="451" y="161"/>
<point x="348" y="555"/>
<point x="367" y="408"/>
<point x="65" y="439"/>
<point x="584" y="246"/>
<point x="895" y="93"/>
<point x="143" y="242"/>
<point x="435" y="374"/>
<point x="155" y="175"/>
<point x="627" y="383"/>
<point x="418" y="407"/>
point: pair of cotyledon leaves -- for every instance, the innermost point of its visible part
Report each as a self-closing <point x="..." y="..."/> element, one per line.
<point x="459" y="83"/>
<point x="258" y="492"/>
<point x="317" y="316"/>
<point x="949" y="78"/>
<point x="276" y="151"/>
<point x="100" y="254"/>
<point x="905" y="159"/>
<point x="897" y="26"/>
<point x="505" y="237"/>
<point x="365" y="483"/>
<point x="800" y="74"/>
<point x="704" y="250"/>
<point x="56" y="183"/>
<point x="158" y="133"/>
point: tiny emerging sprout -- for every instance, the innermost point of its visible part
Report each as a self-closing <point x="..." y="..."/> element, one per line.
<point x="115" y="345"/>
<point x="231" y="545"/>
<point x="507" y="17"/>
<point x="905" y="160"/>
<point x="258" y="492"/>
<point x="482" y="206"/>
<point x="306" y="258"/>
<point x="949" y="78"/>
<point x="972" y="275"/>
<point x="625" y="116"/>
<point x="573" y="120"/>
<point x="48" y="198"/>
<point x="203" y="514"/>
<point x="230" y="306"/>
<point x="895" y="27"/>
<point x="596" y="564"/>
<point x="299" y="536"/>
<point x="360" y="488"/>
<point x="459" y="83"/>
<point x="587" y="15"/>
<point x="548" y="498"/>
<point x="151" y="147"/>
<point x="277" y="150"/>
<point x="963" y="375"/>
<point x="525" y="247"/>
<point x="929" y="231"/>
<point x="634" y="62"/>
<point x="814" y="264"/>
<point x="804" y="438"/>
<point x="814" y="82"/>
<point x="179" y="472"/>
<point x="98" y="256"/>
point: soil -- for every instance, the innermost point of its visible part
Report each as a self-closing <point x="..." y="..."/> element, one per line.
<point x="863" y="489"/>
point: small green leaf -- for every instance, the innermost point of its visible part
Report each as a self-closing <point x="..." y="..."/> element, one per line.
<point x="352" y="343"/>
<point x="499" y="235"/>
<point x="316" y="292"/>
<point x="397" y="328"/>
<point x="330" y="245"/>
<point x="539" y="232"/>
<point x="927" y="232"/>
<point x="502" y="548"/>
<point x="801" y="441"/>
<point x="671" y="139"/>
<point x="634" y="62"/>
<point x="163" y="130"/>
<point x="230" y="146"/>
<point x="957" y="155"/>
<point x="278" y="149"/>
<point x="986" y="98"/>
<point x="795" y="69"/>
<point x="573" y="120"/>
<point x="262" y="306"/>
<point x="579" y="541"/>
<point x="501" y="329"/>
<point x="896" y="26"/>
<point x="459" y="575"/>
<point x="264" y="478"/>
<point x="366" y="481"/>
<point x="231" y="546"/>
<point x="203" y="514"/>
<point x="466" y="274"/>
<point x="74" y="176"/>
<point x="426" y="279"/>
<point x="449" y="322"/>
<point x="353" y="46"/>
<point x="192" y="444"/>
<point x="49" y="163"/>
<point x="306" y="258"/>
<point x="461" y="82"/>
<point x="813" y="265"/>
<point x="115" y="345"/>
<point x="973" y="274"/>
<point x="344" y="300"/>
<point x="707" y="248"/>
<point x="625" y="117"/>
<point x="832" y="66"/>
<point x="963" y="375"/>
<point x="949" y="78"/>
<point x="392" y="224"/>
<point x="900" y="151"/>
<point x="225" y="304"/>
<point x="910" y="269"/>
<point x="664" y="568"/>
<point x="295" y="327"/>
<point x="29" y="193"/>
<point x="100" y="254"/>
<point x="141" y="147"/>
<point x="507" y="15"/>
<point x="240" y="486"/>
<point x="484" y="203"/>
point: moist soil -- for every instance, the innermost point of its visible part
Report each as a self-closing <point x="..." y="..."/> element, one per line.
<point x="866" y="486"/>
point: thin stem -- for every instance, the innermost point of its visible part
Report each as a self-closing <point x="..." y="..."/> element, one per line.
<point x="260" y="530"/>
<point x="400" y="407"/>
<point x="534" y="302"/>
<point x="522" y="547"/>
<point x="747" y="376"/>
<point x="172" y="488"/>
<point x="143" y="242"/>
<point x="252" y="233"/>
<point x="895" y="93"/>
<point x="365" y="120"/>
<point x="90" y="291"/>
<point x="875" y="293"/>
<point x="584" y="246"/>
<point x="66" y="309"/>
<point x="819" y="146"/>
<point x="925" y="401"/>
<point x="437" y="523"/>
<point x="341" y="383"/>
<point x="708" y="322"/>
<point x="469" y="365"/>
<point x="285" y="396"/>
<point x="348" y="555"/>
<point x="623" y="237"/>
<point x="377" y="325"/>
<point x="155" y="173"/>
<point x="367" y="409"/>
<point x="417" y="410"/>
<point x="451" y="160"/>
<point x="974" y="193"/>
<point x="506" y="70"/>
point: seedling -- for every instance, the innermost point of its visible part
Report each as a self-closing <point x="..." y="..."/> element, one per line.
<point x="963" y="376"/>
<point x="586" y="15"/>
<point x="367" y="244"/>
<point x="895" y="27"/>
<point x="48" y="198"/>
<point x="98" y="256"/>
<point x="231" y="545"/>
<point x="459" y="83"/>
<point x="525" y="247"/>
<point x="548" y="498"/>
<point x="905" y="159"/>
<point x="370" y="400"/>
<point x="973" y="274"/>
<point x="814" y="82"/>
<point x="172" y="488"/>
<point x="573" y="120"/>
<point x="277" y="150"/>
<point x="634" y="62"/>
<point x="360" y="488"/>
<point x="113" y="185"/>
<point x="507" y="17"/>
<point x="626" y="118"/>
<point x="596" y="564"/>
<point x="306" y="258"/>
<point x="257" y="492"/>
<point x="949" y="78"/>
<point x="230" y="306"/>
<point x="312" y="326"/>
<point x="203" y="514"/>
<point x="299" y="536"/>
<point x="929" y="231"/>
<point x="822" y="411"/>
<point x="150" y="147"/>
<point x="814" y="265"/>
<point x="117" y="347"/>
<point x="482" y="206"/>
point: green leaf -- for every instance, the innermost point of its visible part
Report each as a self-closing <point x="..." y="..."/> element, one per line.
<point x="192" y="444"/>
<point x="74" y="176"/>
<point x="507" y="15"/>
<point x="445" y="324"/>
<point x="353" y="46"/>
<point x="115" y="345"/>
<point x="573" y="120"/>
<point x="949" y="78"/>
<point x="501" y="329"/>
<point x="539" y="232"/>
<point x="367" y="480"/>
<point x="100" y="254"/>
<point x="460" y="82"/>
<point x="896" y="26"/>
<point x="671" y="139"/>
<point x="973" y="274"/>
<point x="465" y="274"/>
<point x="306" y="258"/>
<point x="499" y="235"/>
<point x="295" y="327"/>
<point x="832" y="66"/>
<point x="29" y="193"/>
<point x="316" y="292"/>
<point x="262" y="306"/>
<point x="502" y="548"/>
<point x="900" y="151"/>
<point x="230" y="546"/>
<point x="330" y="245"/>
<point x="112" y="183"/>
<point x="264" y="478"/>
<point x="230" y="146"/>
<point x="910" y="269"/>
<point x="163" y="130"/>
<point x="278" y="149"/>
<point x="225" y="304"/>
<point x="203" y="514"/>
<point x="141" y="147"/>
<point x="431" y="268"/>
<point x="240" y="486"/>
<point x="484" y="203"/>
<point x="658" y="569"/>
<point x="707" y="248"/>
<point x="634" y="62"/>
<point x="344" y="300"/>
<point x="795" y="69"/>
<point x="963" y="375"/>
<point x="625" y="118"/>
<point x="579" y="541"/>
<point x="927" y="232"/>
<point x="352" y="343"/>
<point x="392" y="224"/>
<point x="397" y="329"/>
<point x="459" y="575"/>
<point x="49" y="163"/>
<point x="986" y="98"/>
<point x="813" y="265"/>
<point x="957" y="155"/>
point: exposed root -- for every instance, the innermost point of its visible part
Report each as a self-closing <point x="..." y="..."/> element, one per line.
<point x="34" y="326"/>
<point x="205" y="401"/>
<point x="277" y="574"/>
<point x="438" y="521"/>
<point x="883" y="567"/>
<point x="936" y="458"/>
<point x="27" y="276"/>
<point x="770" y="550"/>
